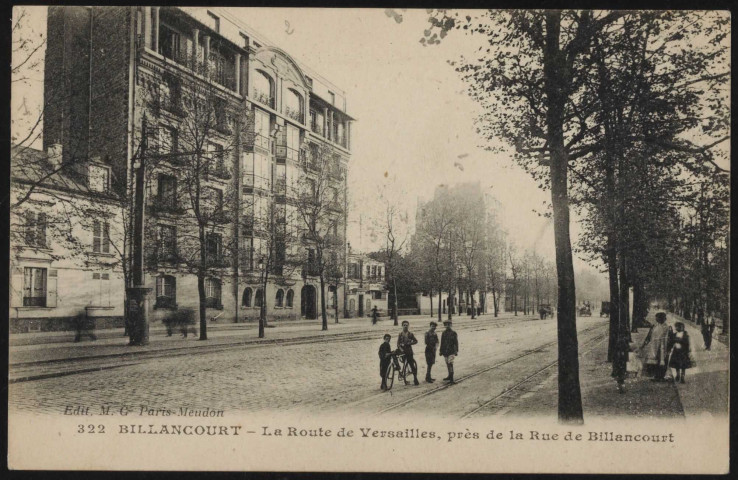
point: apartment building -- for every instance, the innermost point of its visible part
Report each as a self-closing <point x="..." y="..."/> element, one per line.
<point x="366" y="286"/>
<point x="231" y="131"/>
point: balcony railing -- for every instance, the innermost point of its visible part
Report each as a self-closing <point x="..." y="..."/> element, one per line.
<point x="317" y="128"/>
<point x="263" y="98"/>
<point x="165" y="205"/>
<point x="294" y="114"/>
<point x="284" y="152"/>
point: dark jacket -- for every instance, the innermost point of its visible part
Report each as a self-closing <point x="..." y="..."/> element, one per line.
<point x="431" y="340"/>
<point x="449" y="343"/>
<point x="384" y="357"/>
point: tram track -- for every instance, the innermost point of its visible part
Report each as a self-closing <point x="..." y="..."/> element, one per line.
<point x="77" y="365"/>
<point x="481" y="371"/>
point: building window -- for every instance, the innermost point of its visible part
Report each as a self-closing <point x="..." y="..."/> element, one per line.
<point x="258" y="298"/>
<point x="279" y="300"/>
<point x="100" y="236"/>
<point x="166" y="291"/>
<point x="167" y="243"/>
<point x="34" y="287"/>
<point x="35" y="229"/>
<point x="244" y="40"/>
<point x="247" y="248"/>
<point x="169" y="43"/>
<point x="294" y="105"/>
<point x="99" y="178"/>
<point x="167" y="139"/>
<point x="379" y="272"/>
<point x="290" y="298"/>
<point x="211" y="203"/>
<point x="216" y="163"/>
<point x="263" y="89"/>
<point x="103" y="282"/>
<point x="167" y="191"/>
<point x="212" y="293"/>
<point x="332" y="296"/>
<point x="374" y="271"/>
<point x="213" y="247"/>
<point x="246" y="298"/>
<point x="368" y="271"/>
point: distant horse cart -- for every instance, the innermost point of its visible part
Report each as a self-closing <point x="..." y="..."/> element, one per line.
<point x="605" y="309"/>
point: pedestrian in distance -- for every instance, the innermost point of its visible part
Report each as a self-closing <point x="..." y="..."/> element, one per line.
<point x="431" y="343"/>
<point x="385" y="357"/>
<point x="405" y="342"/>
<point x="680" y="358"/>
<point x="657" y="342"/>
<point x="83" y="326"/>
<point x="708" y="326"/>
<point x="449" y="349"/>
<point x="375" y="315"/>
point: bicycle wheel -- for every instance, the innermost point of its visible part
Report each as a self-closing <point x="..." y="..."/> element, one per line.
<point x="389" y="376"/>
<point x="407" y="371"/>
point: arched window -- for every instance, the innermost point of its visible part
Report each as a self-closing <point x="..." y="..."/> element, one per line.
<point x="332" y="296"/>
<point x="263" y="88"/>
<point x="258" y="298"/>
<point x="246" y="298"/>
<point x="368" y="304"/>
<point x="293" y="105"/>
<point x="352" y="305"/>
<point x="279" y="300"/>
<point x="290" y="298"/>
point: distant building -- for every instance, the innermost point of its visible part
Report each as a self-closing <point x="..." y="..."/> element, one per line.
<point x="365" y="285"/>
<point x="488" y="211"/>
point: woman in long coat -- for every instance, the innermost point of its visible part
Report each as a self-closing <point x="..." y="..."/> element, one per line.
<point x="657" y="342"/>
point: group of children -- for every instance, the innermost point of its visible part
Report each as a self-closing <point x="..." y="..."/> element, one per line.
<point x="667" y="348"/>
<point x="405" y="341"/>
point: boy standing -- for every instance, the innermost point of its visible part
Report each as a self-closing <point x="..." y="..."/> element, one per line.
<point x="405" y="342"/>
<point x="449" y="350"/>
<point x="385" y="357"/>
<point x="431" y="342"/>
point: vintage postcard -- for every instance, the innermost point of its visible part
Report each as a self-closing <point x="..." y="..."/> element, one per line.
<point x="369" y="240"/>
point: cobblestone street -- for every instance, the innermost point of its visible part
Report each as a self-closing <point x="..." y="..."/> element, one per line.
<point x="314" y="376"/>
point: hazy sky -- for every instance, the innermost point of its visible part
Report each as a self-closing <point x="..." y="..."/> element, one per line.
<point x="414" y="118"/>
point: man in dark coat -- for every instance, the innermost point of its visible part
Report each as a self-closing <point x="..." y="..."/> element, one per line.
<point x="449" y="349"/>
<point x="431" y="343"/>
<point x="708" y="326"/>
<point x="385" y="357"/>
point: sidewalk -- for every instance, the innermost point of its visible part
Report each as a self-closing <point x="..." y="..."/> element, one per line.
<point x="706" y="389"/>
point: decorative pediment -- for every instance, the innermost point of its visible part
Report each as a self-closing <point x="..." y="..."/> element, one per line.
<point x="283" y="64"/>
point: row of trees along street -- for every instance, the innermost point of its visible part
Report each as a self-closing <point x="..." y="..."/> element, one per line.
<point x="623" y="116"/>
<point x="460" y="249"/>
<point x="198" y="219"/>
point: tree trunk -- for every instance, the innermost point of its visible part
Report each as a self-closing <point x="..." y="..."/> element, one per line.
<point x="555" y="87"/>
<point x="203" y="309"/>
<point x="624" y="324"/>
<point x="335" y="301"/>
<point x="394" y="301"/>
<point x="471" y="296"/>
<point x="494" y="301"/>
<point x="612" y="273"/>
<point x="431" y="303"/>
<point x="439" y="307"/>
<point x="323" y="314"/>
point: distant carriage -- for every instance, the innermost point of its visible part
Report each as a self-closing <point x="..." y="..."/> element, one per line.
<point x="605" y="309"/>
<point x="585" y="311"/>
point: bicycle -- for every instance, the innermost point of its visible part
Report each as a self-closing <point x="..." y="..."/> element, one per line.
<point x="403" y="372"/>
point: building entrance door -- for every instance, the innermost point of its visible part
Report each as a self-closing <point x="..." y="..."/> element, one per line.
<point x="361" y="305"/>
<point x="307" y="302"/>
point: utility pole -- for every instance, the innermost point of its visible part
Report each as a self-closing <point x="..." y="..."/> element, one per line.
<point x="138" y="294"/>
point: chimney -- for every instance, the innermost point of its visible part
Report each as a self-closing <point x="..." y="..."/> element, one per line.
<point x="54" y="155"/>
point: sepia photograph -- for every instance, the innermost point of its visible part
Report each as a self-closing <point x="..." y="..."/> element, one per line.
<point x="369" y="240"/>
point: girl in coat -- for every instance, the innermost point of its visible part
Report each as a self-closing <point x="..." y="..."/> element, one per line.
<point x="679" y="358"/>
